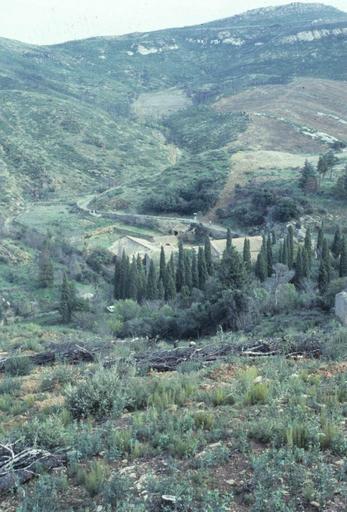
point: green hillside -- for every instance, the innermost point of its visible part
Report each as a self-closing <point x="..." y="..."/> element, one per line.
<point x="68" y="124"/>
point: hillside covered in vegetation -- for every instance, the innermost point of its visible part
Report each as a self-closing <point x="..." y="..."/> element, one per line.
<point x="173" y="268"/>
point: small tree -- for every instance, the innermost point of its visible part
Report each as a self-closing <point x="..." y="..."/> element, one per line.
<point x="308" y="179"/>
<point x="67" y="300"/>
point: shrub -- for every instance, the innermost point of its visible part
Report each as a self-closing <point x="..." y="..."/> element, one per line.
<point x="298" y="435"/>
<point x="93" y="477"/>
<point x="116" y="491"/>
<point x="257" y="393"/>
<point x="9" y="386"/>
<point x="18" y="366"/>
<point x="58" y="376"/>
<point x="45" y="495"/>
<point x="99" y="396"/>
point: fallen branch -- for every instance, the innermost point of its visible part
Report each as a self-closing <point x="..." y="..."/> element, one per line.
<point x="70" y="353"/>
<point x="18" y="466"/>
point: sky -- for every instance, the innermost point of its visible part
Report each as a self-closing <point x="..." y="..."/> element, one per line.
<point x="53" y="21"/>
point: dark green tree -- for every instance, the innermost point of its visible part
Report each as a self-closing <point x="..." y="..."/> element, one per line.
<point x="308" y="247"/>
<point x="343" y="258"/>
<point x="247" y="259"/>
<point x="208" y="255"/>
<point x="323" y="278"/>
<point x="232" y="271"/>
<point x="133" y="280"/>
<point x="180" y="273"/>
<point x="202" y="268"/>
<point x="68" y="300"/>
<point x="188" y="278"/>
<point x="170" y="285"/>
<point x="337" y="243"/>
<point x="308" y="179"/>
<point x="326" y="258"/>
<point x="141" y="279"/>
<point x="152" y="288"/>
<point x="46" y="270"/>
<point x="290" y="243"/>
<point x="299" y="267"/>
<point x="195" y="271"/>
<point x="229" y="241"/>
<point x="320" y="239"/>
<point x="162" y="265"/>
<point x="322" y="167"/>
<point x="161" y="290"/>
<point x="261" y="270"/>
<point x="269" y="256"/>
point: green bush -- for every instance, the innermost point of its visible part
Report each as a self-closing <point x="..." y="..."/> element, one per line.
<point x="99" y="396"/>
<point x="18" y="366"/>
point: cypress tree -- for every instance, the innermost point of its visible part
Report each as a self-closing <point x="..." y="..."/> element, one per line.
<point x="247" y="254"/>
<point x="195" y="272"/>
<point x="299" y="267"/>
<point x="228" y="242"/>
<point x="308" y="247"/>
<point x="67" y="300"/>
<point x="180" y="268"/>
<point x="162" y="265"/>
<point x="343" y="258"/>
<point x="269" y="257"/>
<point x="261" y="267"/>
<point x="124" y="277"/>
<point x="285" y="252"/>
<point x="141" y="279"/>
<point x="208" y="256"/>
<point x="170" y="285"/>
<point x="161" y="290"/>
<point x="320" y="239"/>
<point x="232" y="269"/>
<point x="280" y="253"/>
<point x="273" y="237"/>
<point x="152" y="288"/>
<point x="326" y="257"/>
<point x="46" y="271"/>
<point x="202" y="268"/>
<point x="290" y="247"/>
<point x="133" y="281"/>
<point x="308" y="179"/>
<point x="323" y="278"/>
<point x="188" y="270"/>
<point x="117" y="279"/>
<point x="306" y="265"/>
<point x="337" y="243"/>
